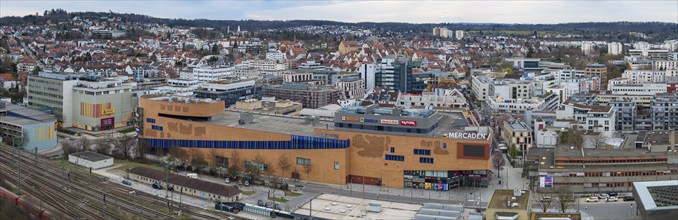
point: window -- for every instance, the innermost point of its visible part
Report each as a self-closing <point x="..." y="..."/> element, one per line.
<point x="425" y="160"/>
<point x="336" y="165"/>
<point x="394" y="157"/>
<point x="422" y="152"/>
<point x="221" y="161"/>
<point x="155" y="127"/>
<point x="303" y="161"/>
<point x="392" y="149"/>
<point x="255" y="165"/>
<point x="150" y="120"/>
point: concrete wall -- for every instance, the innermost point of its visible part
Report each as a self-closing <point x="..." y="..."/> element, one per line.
<point x="120" y="102"/>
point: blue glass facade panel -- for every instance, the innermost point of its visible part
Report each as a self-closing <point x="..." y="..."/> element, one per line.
<point x="297" y="142"/>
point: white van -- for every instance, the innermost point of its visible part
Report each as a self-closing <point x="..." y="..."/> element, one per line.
<point x="192" y="175"/>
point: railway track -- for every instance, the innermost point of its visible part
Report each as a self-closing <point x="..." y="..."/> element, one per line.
<point x="48" y="178"/>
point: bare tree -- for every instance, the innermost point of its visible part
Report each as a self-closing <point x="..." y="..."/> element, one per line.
<point x="142" y="147"/>
<point x="498" y="161"/>
<point x="198" y="160"/>
<point x="565" y="198"/>
<point x="598" y="141"/>
<point x="234" y="164"/>
<point x="308" y="168"/>
<point x="177" y="155"/>
<point x="68" y="147"/>
<point x="543" y="199"/>
<point x="122" y="145"/>
<point x="284" y="164"/>
<point x="575" y="138"/>
<point x="85" y="143"/>
<point x="103" y="145"/>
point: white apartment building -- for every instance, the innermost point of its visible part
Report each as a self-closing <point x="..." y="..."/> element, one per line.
<point x="614" y="48"/>
<point x="501" y="105"/>
<point x="441" y="98"/>
<point x="354" y="88"/>
<point x="297" y="77"/>
<point x="209" y="74"/>
<point x="480" y="87"/>
<point x="596" y="118"/>
<point x="512" y="89"/>
<point x="277" y="55"/>
<point x="646" y="76"/>
<point x="266" y="65"/>
<point x="617" y="81"/>
<point x="459" y="34"/>
<point x="665" y="64"/>
<point x="638" y="89"/>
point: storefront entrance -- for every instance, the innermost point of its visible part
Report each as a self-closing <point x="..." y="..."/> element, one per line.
<point x="107" y="123"/>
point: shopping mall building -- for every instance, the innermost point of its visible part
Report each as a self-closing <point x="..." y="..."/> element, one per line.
<point x="392" y="147"/>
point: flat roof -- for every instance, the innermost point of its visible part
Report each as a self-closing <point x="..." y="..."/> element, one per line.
<point x="274" y="123"/>
<point x="330" y="206"/>
<point x="501" y="197"/>
<point x="295" y="125"/>
<point x="606" y="153"/>
<point x="197" y="184"/>
<point x="90" y="156"/>
<point x="28" y="113"/>
<point x="657" y="195"/>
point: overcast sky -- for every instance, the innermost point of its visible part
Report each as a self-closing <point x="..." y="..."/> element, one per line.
<point x="453" y="11"/>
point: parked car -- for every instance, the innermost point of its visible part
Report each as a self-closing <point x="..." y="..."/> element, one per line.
<point x="592" y="199"/>
<point x="629" y="198"/>
<point x="127" y="182"/>
<point x="612" y="199"/>
<point x="612" y="194"/>
<point x="192" y="175"/>
<point x="157" y="186"/>
<point x="603" y="196"/>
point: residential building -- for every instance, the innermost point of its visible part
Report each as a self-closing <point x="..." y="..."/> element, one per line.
<point x="665" y="112"/>
<point x="517" y="133"/>
<point x="397" y="75"/>
<point x="28" y="128"/>
<point x="617" y="81"/>
<point x="322" y="152"/>
<point x="626" y="113"/>
<point x="500" y="105"/>
<point x="297" y="77"/>
<point x="644" y="76"/>
<point x="594" y="118"/>
<point x="615" y="48"/>
<point x="310" y="96"/>
<point x="599" y="70"/>
<point x="638" y="89"/>
<point x="480" y="87"/>
<point x="512" y="89"/>
<point x="459" y="34"/>
<point x="211" y="73"/>
<point x="436" y="99"/>
<point x="348" y="46"/>
<point x="353" y="88"/>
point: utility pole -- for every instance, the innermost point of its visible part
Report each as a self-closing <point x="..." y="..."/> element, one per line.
<point x="35" y="161"/>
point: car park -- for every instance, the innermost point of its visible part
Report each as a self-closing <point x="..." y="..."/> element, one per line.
<point x="592" y="199"/>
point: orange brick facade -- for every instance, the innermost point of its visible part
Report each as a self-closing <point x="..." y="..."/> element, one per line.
<point x="364" y="157"/>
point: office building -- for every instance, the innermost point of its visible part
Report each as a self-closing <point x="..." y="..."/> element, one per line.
<point x="53" y="93"/>
<point x="600" y="170"/>
<point x="229" y="90"/>
<point x="517" y="133"/>
<point x="480" y="87"/>
<point x="436" y="99"/>
<point x="638" y="89"/>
